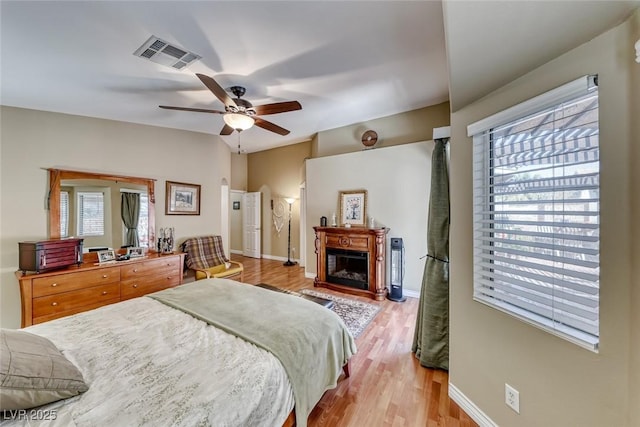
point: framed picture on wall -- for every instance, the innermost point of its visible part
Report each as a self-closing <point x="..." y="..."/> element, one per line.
<point x="353" y="208"/>
<point x="236" y="206"/>
<point x="182" y="199"/>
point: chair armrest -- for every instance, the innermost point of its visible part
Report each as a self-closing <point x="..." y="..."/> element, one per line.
<point x="234" y="269"/>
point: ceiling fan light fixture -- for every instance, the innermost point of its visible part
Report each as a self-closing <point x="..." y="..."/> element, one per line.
<point x="238" y="121"/>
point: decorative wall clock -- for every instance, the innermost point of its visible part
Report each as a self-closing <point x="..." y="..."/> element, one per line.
<point x="369" y="138"/>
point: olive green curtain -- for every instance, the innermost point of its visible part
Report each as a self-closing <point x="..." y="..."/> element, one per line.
<point x="431" y="337"/>
<point x="130" y="213"/>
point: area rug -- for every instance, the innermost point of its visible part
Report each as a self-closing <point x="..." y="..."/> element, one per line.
<point x="356" y="314"/>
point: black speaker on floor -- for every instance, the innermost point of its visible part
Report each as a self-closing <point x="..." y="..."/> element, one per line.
<point x="397" y="270"/>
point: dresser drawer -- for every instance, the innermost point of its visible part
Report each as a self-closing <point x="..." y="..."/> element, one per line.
<point x="68" y="301"/>
<point x="145" y="268"/>
<point x="51" y="285"/>
<point x="132" y="288"/>
<point x="340" y="241"/>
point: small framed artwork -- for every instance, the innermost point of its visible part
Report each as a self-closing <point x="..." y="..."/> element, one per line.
<point x="353" y="208"/>
<point x="106" y="256"/>
<point x="182" y="199"/>
<point x="135" y="252"/>
<point x="236" y="206"/>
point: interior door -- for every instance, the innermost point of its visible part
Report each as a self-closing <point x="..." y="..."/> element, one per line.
<point x="251" y="215"/>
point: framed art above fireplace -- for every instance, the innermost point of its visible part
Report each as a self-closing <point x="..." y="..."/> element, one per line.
<point x="353" y="207"/>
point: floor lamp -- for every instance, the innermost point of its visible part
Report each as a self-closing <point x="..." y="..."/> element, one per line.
<point x="289" y="263"/>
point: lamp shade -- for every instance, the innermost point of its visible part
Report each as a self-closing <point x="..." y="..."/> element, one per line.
<point x="289" y="200"/>
<point x="238" y="121"/>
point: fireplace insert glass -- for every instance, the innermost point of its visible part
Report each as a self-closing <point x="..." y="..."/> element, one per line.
<point x="349" y="268"/>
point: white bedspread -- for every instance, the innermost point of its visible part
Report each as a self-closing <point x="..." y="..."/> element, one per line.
<point x="147" y="364"/>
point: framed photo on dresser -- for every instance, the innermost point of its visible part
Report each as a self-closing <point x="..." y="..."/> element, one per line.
<point x="106" y="256"/>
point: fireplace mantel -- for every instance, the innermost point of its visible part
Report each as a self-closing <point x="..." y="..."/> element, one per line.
<point x="360" y="239"/>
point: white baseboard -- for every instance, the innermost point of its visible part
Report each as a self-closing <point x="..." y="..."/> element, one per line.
<point x="411" y="294"/>
<point x="470" y="408"/>
<point x="278" y="258"/>
<point x="266" y="256"/>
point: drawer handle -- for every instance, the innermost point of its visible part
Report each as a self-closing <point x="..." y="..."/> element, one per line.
<point x="104" y="276"/>
<point x="168" y="277"/>
<point x="104" y="292"/>
<point x="135" y="270"/>
<point x="135" y="285"/>
<point x="54" y="285"/>
<point x="54" y="304"/>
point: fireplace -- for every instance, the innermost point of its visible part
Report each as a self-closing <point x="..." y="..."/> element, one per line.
<point x="352" y="260"/>
<point x="349" y="268"/>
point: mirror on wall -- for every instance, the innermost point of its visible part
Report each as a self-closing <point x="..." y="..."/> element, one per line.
<point x="88" y="205"/>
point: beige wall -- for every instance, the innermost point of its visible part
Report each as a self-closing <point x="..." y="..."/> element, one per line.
<point x="560" y="384"/>
<point x="32" y="140"/>
<point x="412" y="126"/>
<point x="238" y="172"/>
<point x="634" y="195"/>
<point x="235" y="222"/>
<point x="277" y="174"/>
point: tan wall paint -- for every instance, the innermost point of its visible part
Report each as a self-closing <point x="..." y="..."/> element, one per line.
<point x="560" y="384"/>
<point x="412" y="126"/>
<point x="279" y="170"/>
<point x="235" y="221"/>
<point x="634" y="195"/>
<point x="238" y="172"/>
<point x="32" y="140"/>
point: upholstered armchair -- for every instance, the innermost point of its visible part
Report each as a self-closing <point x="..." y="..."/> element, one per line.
<point x="205" y="256"/>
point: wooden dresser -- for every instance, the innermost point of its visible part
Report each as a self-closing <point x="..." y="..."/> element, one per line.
<point x="48" y="296"/>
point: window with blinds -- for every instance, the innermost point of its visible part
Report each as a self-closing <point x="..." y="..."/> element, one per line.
<point x="64" y="214"/>
<point x="143" y="221"/>
<point x="90" y="213"/>
<point x="536" y="182"/>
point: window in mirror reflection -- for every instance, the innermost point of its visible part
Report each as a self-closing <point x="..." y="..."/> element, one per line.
<point x="64" y="214"/>
<point x="90" y="213"/>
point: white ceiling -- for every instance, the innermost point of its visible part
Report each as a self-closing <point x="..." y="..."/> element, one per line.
<point x="345" y="62"/>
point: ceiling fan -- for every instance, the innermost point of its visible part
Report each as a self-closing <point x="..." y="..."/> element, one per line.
<point x="239" y="114"/>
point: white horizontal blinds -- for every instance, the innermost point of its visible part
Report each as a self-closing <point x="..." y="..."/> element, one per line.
<point x="64" y="214"/>
<point x="90" y="213"/>
<point x="536" y="217"/>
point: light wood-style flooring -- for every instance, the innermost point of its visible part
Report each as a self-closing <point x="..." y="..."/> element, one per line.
<point x="387" y="386"/>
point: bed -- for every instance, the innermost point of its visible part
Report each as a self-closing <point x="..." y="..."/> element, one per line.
<point x="181" y="357"/>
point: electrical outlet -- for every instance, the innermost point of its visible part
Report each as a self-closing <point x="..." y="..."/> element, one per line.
<point x="293" y="251"/>
<point x="512" y="397"/>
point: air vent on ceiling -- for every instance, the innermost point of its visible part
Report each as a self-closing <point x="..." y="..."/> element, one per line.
<point x="161" y="52"/>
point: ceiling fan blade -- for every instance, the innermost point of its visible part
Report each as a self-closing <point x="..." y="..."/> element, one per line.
<point x="271" y="126"/>
<point x="226" y="130"/>
<point x="197" y="110"/>
<point x="277" y="107"/>
<point x="217" y="90"/>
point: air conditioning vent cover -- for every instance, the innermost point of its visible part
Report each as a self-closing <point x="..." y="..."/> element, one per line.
<point x="161" y="52"/>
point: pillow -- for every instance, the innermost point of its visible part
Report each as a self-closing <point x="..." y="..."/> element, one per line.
<point x="34" y="372"/>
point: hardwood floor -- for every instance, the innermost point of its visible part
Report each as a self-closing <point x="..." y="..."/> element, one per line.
<point x="387" y="386"/>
